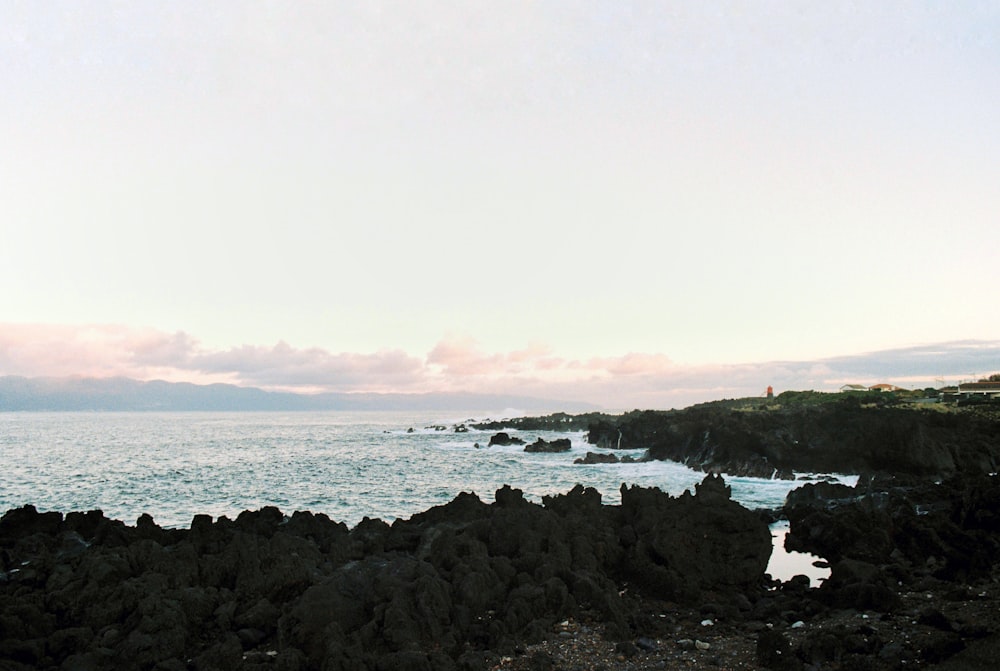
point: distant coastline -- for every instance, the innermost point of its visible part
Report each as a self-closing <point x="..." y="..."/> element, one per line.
<point x="127" y="395"/>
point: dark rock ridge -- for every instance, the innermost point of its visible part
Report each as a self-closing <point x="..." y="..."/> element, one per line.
<point x="503" y="439"/>
<point x="607" y="458"/>
<point x="449" y="588"/>
<point x="915" y="565"/>
<point x="839" y="436"/>
<point x="542" y="445"/>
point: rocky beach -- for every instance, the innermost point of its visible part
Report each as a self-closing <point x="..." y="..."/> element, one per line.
<point x="654" y="582"/>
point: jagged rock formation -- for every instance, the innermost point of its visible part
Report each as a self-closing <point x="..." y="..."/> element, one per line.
<point x="446" y="589"/>
<point x="949" y="529"/>
<point x="504" y="439"/>
<point x="894" y="543"/>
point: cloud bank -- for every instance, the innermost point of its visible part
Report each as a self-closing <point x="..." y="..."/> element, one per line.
<point x="458" y="364"/>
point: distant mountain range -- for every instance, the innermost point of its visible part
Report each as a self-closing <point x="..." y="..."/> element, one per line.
<point x="123" y="394"/>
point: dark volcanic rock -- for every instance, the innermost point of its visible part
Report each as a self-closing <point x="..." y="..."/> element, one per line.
<point x="945" y="529"/>
<point x="836" y="436"/>
<point x="542" y="445"/>
<point x="660" y="555"/>
<point x="462" y="584"/>
<point x="597" y="458"/>
<point x="503" y="439"/>
<point x="456" y="583"/>
<point x="559" y="421"/>
<point x="859" y="585"/>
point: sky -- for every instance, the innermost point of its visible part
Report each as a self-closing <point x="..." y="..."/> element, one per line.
<point x="636" y="204"/>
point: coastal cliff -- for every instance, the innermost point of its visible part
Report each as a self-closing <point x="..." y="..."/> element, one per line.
<point x="803" y="433"/>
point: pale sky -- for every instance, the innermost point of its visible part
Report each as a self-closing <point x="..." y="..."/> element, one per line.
<point x="555" y="197"/>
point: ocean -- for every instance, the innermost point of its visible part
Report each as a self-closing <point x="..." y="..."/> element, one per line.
<point x="348" y="465"/>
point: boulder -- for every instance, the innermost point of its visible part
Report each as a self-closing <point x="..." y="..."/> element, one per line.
<point x="557" y="445"/>
<point x="503" y="439"/>
<point x="597" y="458"/>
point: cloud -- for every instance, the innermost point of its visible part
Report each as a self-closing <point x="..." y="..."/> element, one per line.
<point x="460" y="356"/>
<point x="42" y="350"/>
<point x="174" y="350"/>
<point x="459" y="363"/>
<point x="638" y="380"/>
<point x="98" y="350"/>
<point x="633" y="363"/>
<point x="283" y="366"/>
<point x="969" y="358"/>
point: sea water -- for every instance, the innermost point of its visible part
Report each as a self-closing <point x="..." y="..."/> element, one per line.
<point x="392" y="465"/>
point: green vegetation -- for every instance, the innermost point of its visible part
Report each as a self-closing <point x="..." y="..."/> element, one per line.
<point x="799" y="399"/>
<point x="807" y="399"/>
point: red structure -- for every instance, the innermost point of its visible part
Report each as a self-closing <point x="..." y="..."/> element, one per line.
<point x="770" y="391"/>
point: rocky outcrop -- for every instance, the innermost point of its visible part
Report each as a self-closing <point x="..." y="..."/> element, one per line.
<point x="923" y="553"/>
<point x="592" y="458"/>
<point x="836" y="436"/>
<point x="504" y="439"/>
<point x="597" y="458"/>
<point x="733" y="543"/>
<point x="947" y="529"/>
<point x="449" y="588"/>
<point x="557" y="445"/>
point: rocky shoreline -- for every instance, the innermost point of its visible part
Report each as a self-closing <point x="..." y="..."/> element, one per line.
<point x="797" y="432"/>
<point x="655" y="582"/>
